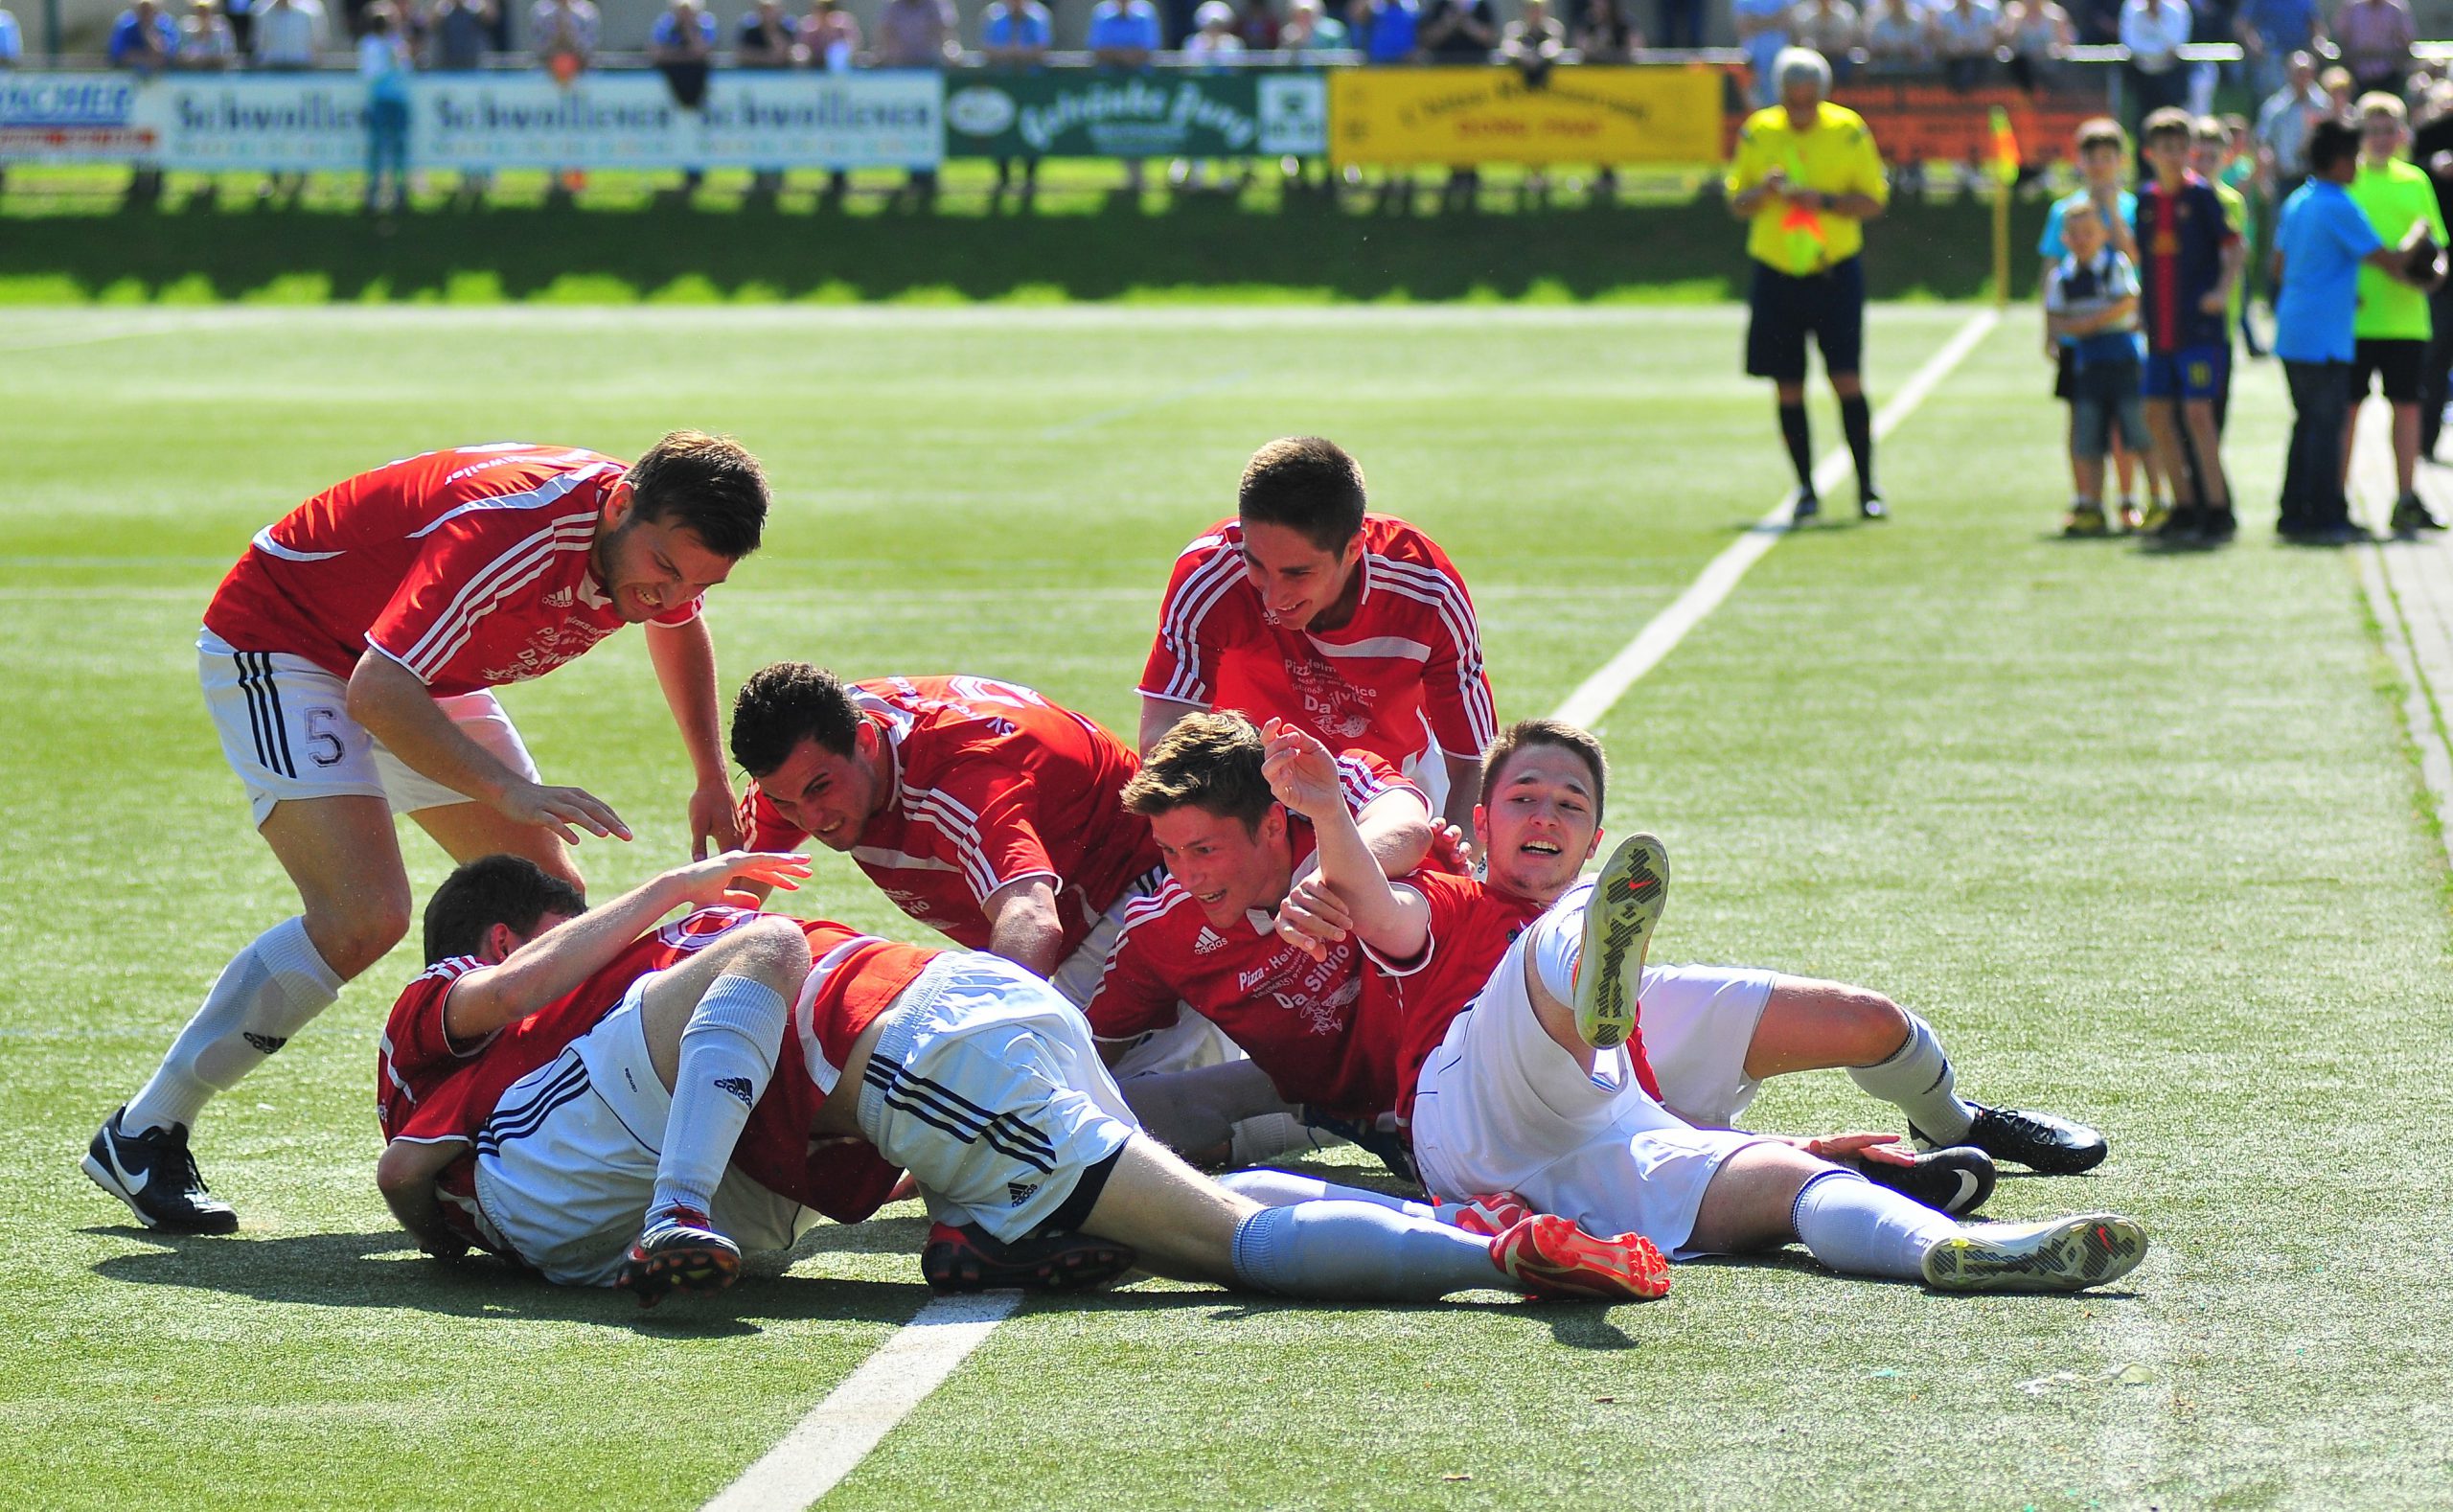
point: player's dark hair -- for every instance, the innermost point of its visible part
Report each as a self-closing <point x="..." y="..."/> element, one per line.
<point x="2102" y="131"/>
<point x="1560" y="733"/>
<point x="709" y="485"/>
<point x="1307" y="484"/>
<point x="2170" y="121"/>
<point x="492" y="890"/>
<point x="1210" y="762"/>
<point x="784" y="704"/>
<point x="2331" y="143"/>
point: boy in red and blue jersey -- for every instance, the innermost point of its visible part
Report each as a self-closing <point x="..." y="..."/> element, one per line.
<point x="2188" y="258"/>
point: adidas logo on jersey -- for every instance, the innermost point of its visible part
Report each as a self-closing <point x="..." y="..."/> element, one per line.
<point x="1017" y="1193"/>
<point x="559" y="599"/>
<point x="737" y="1086"/>
<point x="1208" y="941"/>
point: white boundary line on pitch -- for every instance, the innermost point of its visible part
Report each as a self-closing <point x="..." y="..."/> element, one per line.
<point x="840" y="1432"/>
<point x="1595" y="696"/>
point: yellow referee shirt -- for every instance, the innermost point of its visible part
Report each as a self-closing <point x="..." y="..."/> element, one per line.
<point x="1835" y="156"/>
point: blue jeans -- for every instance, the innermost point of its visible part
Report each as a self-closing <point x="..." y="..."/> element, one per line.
<point x="2312" y="497"/>
<point x="387" y="142"/>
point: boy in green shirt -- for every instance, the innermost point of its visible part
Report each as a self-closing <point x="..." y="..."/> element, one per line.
<point x="2392" y="328"/>
<point x="2209" y="146"/>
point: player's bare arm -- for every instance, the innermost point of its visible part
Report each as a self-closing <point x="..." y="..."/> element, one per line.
<point x="1023" y="925"/>
<point x="1464" y="791"/>
<point x="1396" y="922"/>
<point x="1396" y="828"/>
<point x="405" y="1177"/>
<point x="685" y="656"/>
<point x="1158" y="716"/>
<point x="397" y="709"/>
<point x="560" y="959"/>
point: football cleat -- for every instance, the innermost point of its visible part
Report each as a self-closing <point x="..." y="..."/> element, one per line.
<point x="1803" y="507"/>
<point x="2411" y="515"/>
<point x="2059" y="1254"/>
<point x="2023" y="1136"/>
<point x="1619" y="922"/>
<point x="1953" y="1180"/>
<point x="155" y="1174"/>
<point x="1489" y="1215"/>
<point x="2086" y="520"/>
<point x="1551" y="1257"/>
<point x="679" y="1251"/>
<point x="970" y="1259"/>
<point x="1871" y="507"/>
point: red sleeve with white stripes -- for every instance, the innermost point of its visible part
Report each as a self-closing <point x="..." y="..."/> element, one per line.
<point x="474" y="567"/>
<point x="763" y="826"/>
<point x="1456" y="690"/>
<point x="1366" y="776"/>
<point x="984" y="816"/>
<point x="1183" y="658"/>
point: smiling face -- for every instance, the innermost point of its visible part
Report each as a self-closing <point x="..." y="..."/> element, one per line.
<point x="1302" y="586"/>
<point x="1538" y="822"/>
<point x="647" y="567"/>
<point x="831" y="798"/>
<point x="1226" y="867"/>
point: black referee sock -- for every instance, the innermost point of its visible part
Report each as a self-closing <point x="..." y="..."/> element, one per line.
<point x="1793" y="431"/>
<point x="1858" y="422"/>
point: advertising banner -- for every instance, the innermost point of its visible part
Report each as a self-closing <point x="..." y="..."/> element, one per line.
<point x="1931" y="123"/>
<point x="311" y="122"/>
<point x="1466" y="116"/>
<point x="1106" y="113"/>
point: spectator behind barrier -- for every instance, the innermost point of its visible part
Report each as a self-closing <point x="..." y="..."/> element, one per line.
<point x="206" y="42"/>
<point x="1016" y="35"/>
<point x="2374" y="38"/>
<point x="1965" y="33"/>
<point x="12" y="51"/>
<point x="2154" y="32"/>
<point x="1533" y="41"/>
<point x="1832" y="28"/>
<point x="564" y="35"/>
<point x="1257" y="25"/>
<point x="2284" y="122"/>
<point x="2270" y="31"/>
<point x="143" y="39"/>
<point x="1681" y="22"/>
<point x="383" y="62"/>
<point x="1895" y="40"/>
<point x="1762" y="33"/>
<point x="1458" y="32"/>
<point x="462" y="30"/>
<point x="2038" y="36"/>
<point x="830" y="36"/>
<point x="1390" y="31"/>
<point x="1602" y="32"/>
<point x="1308" y="30"/>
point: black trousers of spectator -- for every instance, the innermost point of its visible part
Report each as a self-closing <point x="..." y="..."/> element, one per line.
<point x="2150" y="92"/>
<point x="2436" y="380"/>
<point x="1682" y="23"/>
<point x="2313" y="497"/>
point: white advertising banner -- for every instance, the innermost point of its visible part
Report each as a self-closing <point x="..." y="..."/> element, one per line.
<point x="312" y="121"/>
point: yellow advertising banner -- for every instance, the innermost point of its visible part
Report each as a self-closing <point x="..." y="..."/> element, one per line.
<point x="1577" y="114"/>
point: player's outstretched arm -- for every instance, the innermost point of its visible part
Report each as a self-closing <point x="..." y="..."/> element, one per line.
<point x="1158" y="716"/>
<point x="1023" y="925"/>
<point x="405" y="1177"/>
<point x="1303" y="775"/>
<point x="563" y="957"/>
<point x="1396" y="829"/>
<point x="685" y="656"/>
<point x="397" y="709"/>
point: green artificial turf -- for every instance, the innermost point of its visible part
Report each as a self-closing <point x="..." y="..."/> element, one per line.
<point x="2135" y="831"/>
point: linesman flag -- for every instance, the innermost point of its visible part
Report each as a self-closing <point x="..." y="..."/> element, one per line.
<point x="2002" y="148"/>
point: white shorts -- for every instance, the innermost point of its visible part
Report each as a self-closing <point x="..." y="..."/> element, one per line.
<point x="566" y="1165"/>
<point x="1189" y="1043"/>
<point x="1501" y="1107"/>
<point x="985" y="1084"/>
<point x="1697" y="1022"/>
<point x="286" y="730"/>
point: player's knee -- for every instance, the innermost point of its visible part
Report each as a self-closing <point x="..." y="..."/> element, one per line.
<point x="771" y="948"/>
<point x="1867" y="1029"/>
<point x="354" y="935"/>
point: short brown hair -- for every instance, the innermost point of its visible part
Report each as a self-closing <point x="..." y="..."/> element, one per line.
<point x="2102" y="131"/>
<point x="2211" y="129"/>
<point x="2170" y="121"/>
<point x="1306" y="483"/>
<point x="492" y="890"/>
<point x="1210" y="762"/>
<point x="785" y="703"/>
<point x="1559" y="733"/>
<point x="2381" y="103"/>
<point x="709" y="485"/>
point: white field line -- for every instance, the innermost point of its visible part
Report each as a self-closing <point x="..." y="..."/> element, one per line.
<point x="1597" y="694"/>
<point x="826" y="1445"/>
<point x="2387" y="573"/>
<point x="840" y="1432"/>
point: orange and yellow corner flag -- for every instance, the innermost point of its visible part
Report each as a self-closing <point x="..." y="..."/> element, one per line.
<point x="2002" y="147"/>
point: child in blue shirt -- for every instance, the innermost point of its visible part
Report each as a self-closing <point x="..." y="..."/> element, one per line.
<point x="2091" y="307"/>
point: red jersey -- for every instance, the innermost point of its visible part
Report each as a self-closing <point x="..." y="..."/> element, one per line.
<point x="857" y="976"/>
<point x="469" y="567"/>
<point x="992" y="784"/>
<point x="1402" y="676"/>
<point x="1299" y="1019"/>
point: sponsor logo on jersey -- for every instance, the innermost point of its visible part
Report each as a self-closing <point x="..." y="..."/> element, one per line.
<point x="559" y="599"/>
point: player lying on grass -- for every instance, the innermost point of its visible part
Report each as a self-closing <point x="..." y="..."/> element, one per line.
<point x="655" y="1042"/>
<point x="348" y="661"/>
<point x="1530" y="1078"/>
<point x="1208" y="938"/>
<point x="1714" y="1033"/>
<point x="993" y="816"/>
<point x="1354" y="625"/>
<point x="963" y="1068"/>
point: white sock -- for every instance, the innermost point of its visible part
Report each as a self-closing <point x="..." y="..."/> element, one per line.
<point x="1284" y="1189"/>
<point x="729" y="1051"/>
<point x="1859" y="1228"/>
<point x="1918" y="1079"/>
<point x="269" y="992"/>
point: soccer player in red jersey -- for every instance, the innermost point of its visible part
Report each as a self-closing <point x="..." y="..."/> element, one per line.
<point x="1354" y="627"/>
<point x="347" y="661"/>
<point x="1538" y="1086"/>
<point x="1209" y="938"/>
<point x="962" y="1067"/>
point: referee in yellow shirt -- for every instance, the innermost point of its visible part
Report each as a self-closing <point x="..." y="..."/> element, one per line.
<point x="1806" y="179"/>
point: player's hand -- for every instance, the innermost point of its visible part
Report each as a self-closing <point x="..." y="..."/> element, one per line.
<point x="1453" y="839"/>
<point x="2214" y="303"/>
<point x="712" y="815"/>
<point x="705" y="884"/>
<point x="1301" y="773"/>
<point x="1313" y="918"/>
<point x="1852" y="1149"/>
<point x="565" y="811"/>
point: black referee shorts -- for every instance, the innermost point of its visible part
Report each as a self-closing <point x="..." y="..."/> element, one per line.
<point x="1783" y="310"/>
